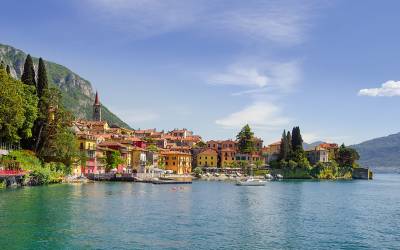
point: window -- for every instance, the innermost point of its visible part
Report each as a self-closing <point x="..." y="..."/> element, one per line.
<point x="212" y="157"/>
<point x="200" y="163"/>
<point x="226" y="158"/>
<point x="212" y="163"/>
<point x="200" y="157"/>
<point x="206" y="157"/>
<point x="173" y="163"/>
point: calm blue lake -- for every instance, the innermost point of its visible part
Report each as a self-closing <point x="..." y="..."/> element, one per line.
<point x="205" y="215"/>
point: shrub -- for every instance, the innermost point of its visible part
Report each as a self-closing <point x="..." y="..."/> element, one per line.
<point x="198" y="171"/>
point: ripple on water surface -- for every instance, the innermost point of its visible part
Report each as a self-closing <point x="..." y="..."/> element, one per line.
<point x="204" y="215"/>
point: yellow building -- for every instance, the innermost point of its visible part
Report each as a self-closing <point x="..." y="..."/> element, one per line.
<point x="227" y="157"/>
<point x="87" y="143"/>
<point x="207" y="158"/>
<point x="274" y="148"/>
<point x="138" y="159"/>
<point x="178" y="162"/>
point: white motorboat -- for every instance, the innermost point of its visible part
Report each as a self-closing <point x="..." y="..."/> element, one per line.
<point x="269" y="177"/>
<point x="279" y="176"/>
<point x="251" y="182"/>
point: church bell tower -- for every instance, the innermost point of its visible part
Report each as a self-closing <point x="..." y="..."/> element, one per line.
<point x="96" y="108"/>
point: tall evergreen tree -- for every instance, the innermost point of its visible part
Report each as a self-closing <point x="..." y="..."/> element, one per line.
<point x="289" y="142"/>
<point x="28" y="76"/>
<point x="284" y="150"/>
<point x="1" y="65"/>
<point x="42" y="83"/>
<point x="8" y="69"/>
<point x="245" y="140"/>
<point x="297" y="140"/>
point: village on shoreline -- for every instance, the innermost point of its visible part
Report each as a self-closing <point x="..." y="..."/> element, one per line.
<point x="98" y="150"/>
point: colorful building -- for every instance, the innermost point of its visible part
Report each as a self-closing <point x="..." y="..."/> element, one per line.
<point x="87" y="146"/>
<point x="178" y="162"/>
<point x="139" y="160"/>
<point x="207" y="158"/>
<point x="318" y="154"/>
<point x="227" y="157"/>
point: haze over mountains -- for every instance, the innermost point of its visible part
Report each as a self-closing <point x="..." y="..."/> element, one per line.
<point x="381" y="154"/>
<point x="78" y="93"/>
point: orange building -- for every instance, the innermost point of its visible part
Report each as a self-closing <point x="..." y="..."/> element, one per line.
<point x="178" y="162"/>
<point x="227" y="157"/>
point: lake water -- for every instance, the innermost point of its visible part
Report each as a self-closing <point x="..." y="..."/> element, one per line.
<point x="204" y="215"/>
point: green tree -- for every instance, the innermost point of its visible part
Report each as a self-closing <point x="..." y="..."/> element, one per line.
<point x="18" y="109"/>
<point x="198" y="171"/>
<point x="1" y="65"/>
<point x="297" y="140"/>
<point x="113" y="159"/>
<point x="28" y="76"/>
<point x="284" y="150"/>
<point x="259" y="163"/>
<point x="201" y="144"/>
<point x="245" y="140"/>
<point x="152" y="148"/>
<point x="42" y="83"/>
<point x="55" y="140"/>
<point x="289" y="142"/>
<point x="30" y="104"/>
<point x="347" y="157"/>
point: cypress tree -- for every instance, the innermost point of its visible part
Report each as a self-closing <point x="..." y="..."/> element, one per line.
<point x="42" y="83"/>
<point x="8" y="69"/>
<point x="283" y="154"/>
<point x="28" y="76"/>
<point x="297" y="140"/>
<point x="289" y="142"/>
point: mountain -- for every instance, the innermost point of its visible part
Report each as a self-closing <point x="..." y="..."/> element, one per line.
<point x="312" y="145"/>
<point x="78" y="94"/>
<point x="381" y="154"/>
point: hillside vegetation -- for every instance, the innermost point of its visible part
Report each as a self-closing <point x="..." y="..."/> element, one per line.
<point x="78" y="94"/>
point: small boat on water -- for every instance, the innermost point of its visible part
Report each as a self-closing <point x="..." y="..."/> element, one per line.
<point x="279" y="176"/>
<point x="269" y="177"/>
<point x="251" y="182"/>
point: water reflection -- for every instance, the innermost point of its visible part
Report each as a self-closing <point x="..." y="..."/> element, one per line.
<point x="205" y="215"/>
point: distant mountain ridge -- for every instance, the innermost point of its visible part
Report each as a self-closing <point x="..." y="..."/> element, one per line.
<point x="78" y="93"/>
<point x="312" y="145"/>
<point x="381" y="154"/>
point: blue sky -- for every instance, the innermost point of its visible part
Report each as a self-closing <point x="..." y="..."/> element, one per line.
<point x="330" y="67"/>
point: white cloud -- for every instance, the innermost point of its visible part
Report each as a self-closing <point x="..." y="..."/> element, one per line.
<point x="237" y="75"/>
<point x="261" y="115"/>
<point x="283" y="22"/>
<point x="281" y="77"/>
<point x="389" y="88"/>
<point x="146" y="18"/>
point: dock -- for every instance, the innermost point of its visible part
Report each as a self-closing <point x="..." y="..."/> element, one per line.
<point x="362" y="174"/>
